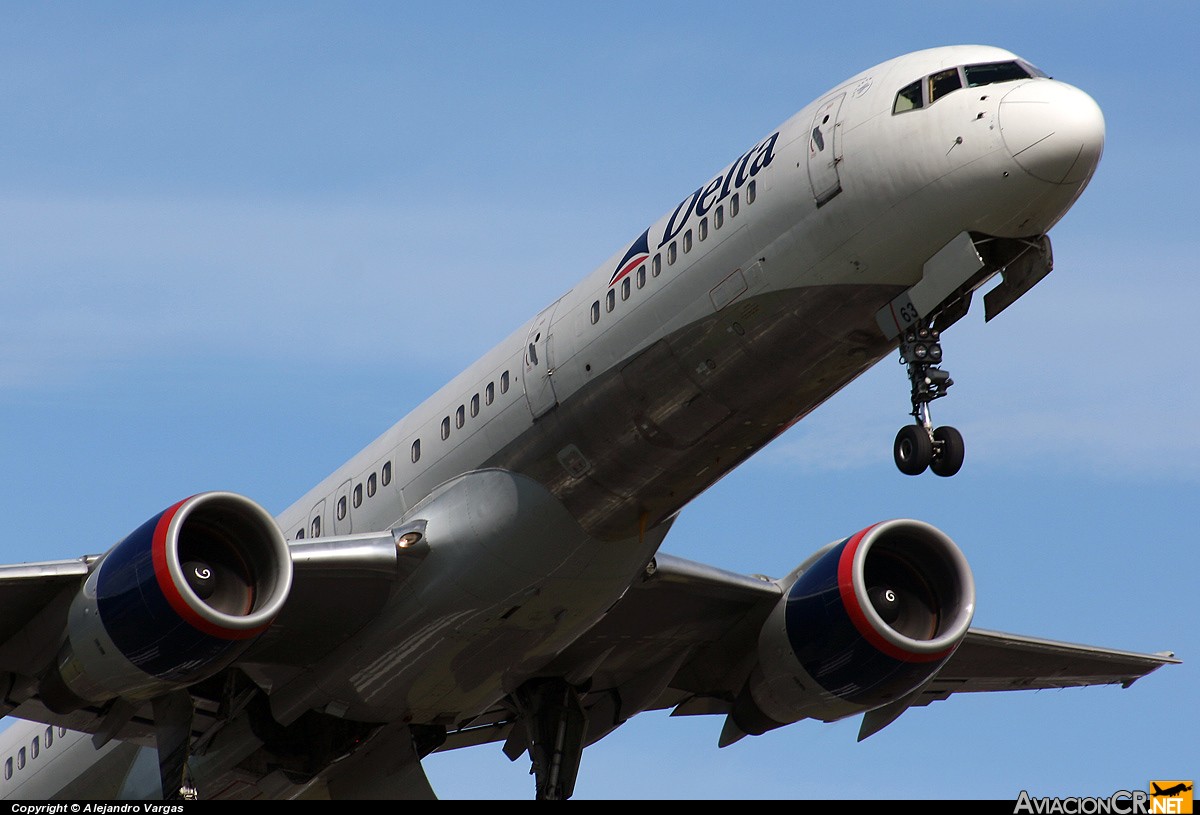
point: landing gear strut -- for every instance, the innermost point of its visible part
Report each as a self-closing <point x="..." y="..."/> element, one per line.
<point x="920" y="446"/>
<point x="555" y="726"/>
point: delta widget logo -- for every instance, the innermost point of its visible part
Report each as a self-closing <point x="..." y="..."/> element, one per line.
<point x="637" y="255"/>
<point x="698" y="204"/>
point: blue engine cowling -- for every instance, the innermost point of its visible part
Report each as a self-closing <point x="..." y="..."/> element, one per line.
<point x="172" y="603"/>
<point x="866" y="622"/>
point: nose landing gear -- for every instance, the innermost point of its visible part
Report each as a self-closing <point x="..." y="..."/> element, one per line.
<point x="920" y="446"/>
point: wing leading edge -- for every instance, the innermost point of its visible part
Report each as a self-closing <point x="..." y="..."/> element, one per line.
<point x="995" y="661"/>
<point x="339" y="585"/>
<point x="685" y="636"/>
<point x="707" y="621"/>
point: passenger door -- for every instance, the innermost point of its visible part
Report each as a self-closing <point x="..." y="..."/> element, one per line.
<point x="825" y="150"/>
<point x="538" y="369"/>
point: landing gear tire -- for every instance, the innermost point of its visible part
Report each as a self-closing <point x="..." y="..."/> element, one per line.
<point x="948" y="459"/>
<point x="919" y="446"/>
<point x="913" y="450"/>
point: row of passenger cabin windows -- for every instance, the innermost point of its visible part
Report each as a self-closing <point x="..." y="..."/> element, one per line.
<point x="385" y="473"/>
<point x="460" y="415"/>
<point x="384" y="476"/>
<point x="18" y="762"/>
<point x="639" y="277"/>
<point x="928" y="90"/>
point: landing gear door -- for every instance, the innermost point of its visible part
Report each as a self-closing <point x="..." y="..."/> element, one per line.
<point x="825" y="150"/>
<point x="538" y="368"/>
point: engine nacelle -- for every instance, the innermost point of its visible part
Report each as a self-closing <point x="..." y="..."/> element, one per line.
<point x="172" y="603"/>
<point x="869" y="621"/>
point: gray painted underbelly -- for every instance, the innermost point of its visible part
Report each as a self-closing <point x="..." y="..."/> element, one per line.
<point x="636" y="443"/>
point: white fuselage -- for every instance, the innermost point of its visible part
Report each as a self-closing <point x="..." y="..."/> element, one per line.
<point x="746" y="307"/>
<point x="636" y="390"/>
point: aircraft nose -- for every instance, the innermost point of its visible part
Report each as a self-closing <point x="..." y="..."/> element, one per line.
<point x="1053" y="130"/>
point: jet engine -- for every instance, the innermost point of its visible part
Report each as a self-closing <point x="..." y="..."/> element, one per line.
<point x="172" y="603"/>
<point x="866" y="622"/>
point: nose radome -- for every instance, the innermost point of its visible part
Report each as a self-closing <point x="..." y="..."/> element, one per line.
<point x="1053" y="130"/>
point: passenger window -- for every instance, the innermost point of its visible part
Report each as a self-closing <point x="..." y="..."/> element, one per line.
<point x="341" y="508"/>
<point x="387" y="467"/>
<point x="489" y="393"/>
<point x="50" y="730"/>
<point x="704" y="228"/>
<point x="942" y="83"/>
<point x="733" y="206"/>
<point x="641" y="276"/>
<point x="687" y="241"/>
<point x="357" y="496"/>
<point x="656" y="265"/>
<point x="474" y="406"/>
<point x="460" y="416"/>
<point x="719" y="217"/>
<point x="671" y="252"/>
<point x="316" y="527"/>
<point x="610" y="299"/>
<point x="371" y="485"/>
<point x="504" y="382"/>
<point x="8" y="769"/>
<point x="37" y="747"/>
<point x="299" y="537"/>
<point x="751" y="192"/>
<point x="445" y="428"/>
<point x="21" y="759"/>
<point x="416" y="456"/>
<point x="909" y="98"/>
<point x="595" y="319"/>
<point x="625" y="289"/>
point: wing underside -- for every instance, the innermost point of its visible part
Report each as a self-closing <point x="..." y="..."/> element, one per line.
<point x="995" y="661"/>
<point x="701" y="624"/>
<point x="684" y="637"/>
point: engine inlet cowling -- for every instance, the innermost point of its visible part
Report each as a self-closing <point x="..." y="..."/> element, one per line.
<point x="868" y="622"/>
<point x="172" y="603"/>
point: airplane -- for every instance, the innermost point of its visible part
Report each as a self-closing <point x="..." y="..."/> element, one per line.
<point x="489" y="570"/>
<point x="1170" y="791"/>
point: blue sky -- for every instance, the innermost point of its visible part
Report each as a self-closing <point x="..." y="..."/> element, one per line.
<point x="238" y="241"/>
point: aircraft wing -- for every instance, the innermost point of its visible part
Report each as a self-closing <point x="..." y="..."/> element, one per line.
<point x="686" y="635"/>
<point x="29" y="591"/>
<point x="995" y="661"/>
<point x="339" y="585"/>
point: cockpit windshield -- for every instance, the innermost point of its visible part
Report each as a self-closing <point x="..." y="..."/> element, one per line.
<point x="988" y="73"/>
<point x="925" y="92"/>
<point x="942" y="83"/>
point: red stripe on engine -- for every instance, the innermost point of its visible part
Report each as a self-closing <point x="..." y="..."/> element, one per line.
<point x="158" y="552"/>
<point x="859" y="617"/>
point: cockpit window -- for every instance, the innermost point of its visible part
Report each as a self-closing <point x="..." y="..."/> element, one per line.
<point x="992" y="72"/>
<point x="942" y="83"/>
<point x="909" y="98"/>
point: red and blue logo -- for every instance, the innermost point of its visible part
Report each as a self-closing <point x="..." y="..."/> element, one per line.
<point x="637" y="255"/>
<point x="731" y="179"/>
